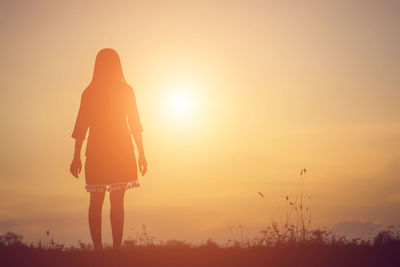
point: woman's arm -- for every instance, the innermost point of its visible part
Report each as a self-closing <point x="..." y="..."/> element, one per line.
<point x="76" y="165"/>
<point x="136" y="129"/>
<point x="137" y="136"/>
<point x="79" y="134"/>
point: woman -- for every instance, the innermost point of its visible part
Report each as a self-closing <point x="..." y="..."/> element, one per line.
<point x="108" y="109"/>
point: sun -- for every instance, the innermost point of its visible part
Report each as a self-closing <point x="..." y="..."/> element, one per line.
<point x="181" y="103"/>
<point x="182" y="100"/>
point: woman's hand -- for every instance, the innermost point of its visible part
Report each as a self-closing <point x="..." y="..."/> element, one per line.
<point x="142" y="164"/>
<point x="76" y="167"/>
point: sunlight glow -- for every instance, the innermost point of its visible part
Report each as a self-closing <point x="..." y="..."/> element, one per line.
<point x="181" y="102"/>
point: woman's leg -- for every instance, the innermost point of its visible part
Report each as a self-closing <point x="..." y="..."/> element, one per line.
<point x="95" y="206"/>
<point x="117" y="216"/>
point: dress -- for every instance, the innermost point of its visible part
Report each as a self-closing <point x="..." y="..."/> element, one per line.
<point x="111" y="115"/>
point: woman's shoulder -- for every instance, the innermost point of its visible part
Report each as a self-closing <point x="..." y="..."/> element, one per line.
<point x="129" y="89"/>
<point x="87" y="91"/>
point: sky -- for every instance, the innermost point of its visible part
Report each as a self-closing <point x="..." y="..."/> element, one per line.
<point x="235" y="97"/>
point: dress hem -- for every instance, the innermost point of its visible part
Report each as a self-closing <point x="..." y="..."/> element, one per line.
<point x="111" y="187"/>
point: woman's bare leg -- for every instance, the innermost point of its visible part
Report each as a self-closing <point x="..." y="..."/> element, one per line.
<point x="117" y="216"/>
<point x="95" y="206"/>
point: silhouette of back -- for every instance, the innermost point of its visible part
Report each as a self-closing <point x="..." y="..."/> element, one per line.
<point x="109" y="110"/>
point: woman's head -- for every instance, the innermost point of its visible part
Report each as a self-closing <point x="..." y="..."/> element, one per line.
<point x="107" y="68"/>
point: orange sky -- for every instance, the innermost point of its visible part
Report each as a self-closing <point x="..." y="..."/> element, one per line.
<point x="273" y="87"/>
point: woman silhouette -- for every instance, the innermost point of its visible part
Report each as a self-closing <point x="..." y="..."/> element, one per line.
<point x="108" y="109"/>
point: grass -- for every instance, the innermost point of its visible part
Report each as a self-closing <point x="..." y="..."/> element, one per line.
<point x="383" y="252"/>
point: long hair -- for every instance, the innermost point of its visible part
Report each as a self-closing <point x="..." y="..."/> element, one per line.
<point x="107" y="69"/>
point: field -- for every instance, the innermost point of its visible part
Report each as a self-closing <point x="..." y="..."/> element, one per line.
<point x="318" y="250"/>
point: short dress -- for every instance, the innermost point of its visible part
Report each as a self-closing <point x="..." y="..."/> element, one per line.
<point x="111" y="116"/>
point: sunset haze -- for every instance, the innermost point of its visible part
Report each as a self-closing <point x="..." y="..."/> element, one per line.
<point x="235" y="98"/>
